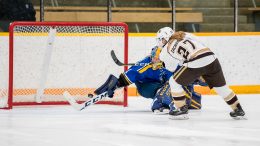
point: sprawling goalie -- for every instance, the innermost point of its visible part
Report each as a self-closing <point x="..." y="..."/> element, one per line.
<point x="151" y="81"/>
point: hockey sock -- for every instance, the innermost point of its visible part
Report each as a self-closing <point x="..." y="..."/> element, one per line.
<point x="179" y="101"/>
<point x="232" y="100"/>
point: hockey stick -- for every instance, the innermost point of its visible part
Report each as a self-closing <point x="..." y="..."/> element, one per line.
<point x="119" y="63"/>
<point x="85" y="104"/>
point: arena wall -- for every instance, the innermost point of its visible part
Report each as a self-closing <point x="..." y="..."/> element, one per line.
<point x="239" y="55"/>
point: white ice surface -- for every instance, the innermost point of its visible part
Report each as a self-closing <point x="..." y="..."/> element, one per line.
<point x="106" y="125"/>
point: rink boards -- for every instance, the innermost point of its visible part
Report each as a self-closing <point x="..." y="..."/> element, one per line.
<point x="238" y="54"/>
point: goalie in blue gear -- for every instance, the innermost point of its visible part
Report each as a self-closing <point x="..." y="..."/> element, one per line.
<point x="151" y="81"/>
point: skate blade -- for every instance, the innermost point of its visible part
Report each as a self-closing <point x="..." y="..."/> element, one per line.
<point x="179" y="117"/>
<point x="164" y="112"/>
<point x="240" y="118"/>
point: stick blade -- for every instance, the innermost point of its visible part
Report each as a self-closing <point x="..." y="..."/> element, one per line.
<point x="71" y="100"/>
<point x="113" y="55"/>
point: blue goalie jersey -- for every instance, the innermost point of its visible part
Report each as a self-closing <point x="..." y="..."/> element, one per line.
<point x="149" y="78"/>
<point x="148" y="73"/>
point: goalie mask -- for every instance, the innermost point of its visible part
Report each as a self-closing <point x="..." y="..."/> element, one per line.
<point x="163" y="36"/>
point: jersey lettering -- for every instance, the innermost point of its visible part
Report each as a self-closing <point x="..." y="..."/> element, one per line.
<point x="183" y="52"/>
<point x="182" y="48"/>
<point x="193" y="46"/>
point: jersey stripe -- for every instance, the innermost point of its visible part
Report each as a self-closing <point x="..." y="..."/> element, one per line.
<point x="146" y="67"/>
<point x="179" y="72"/>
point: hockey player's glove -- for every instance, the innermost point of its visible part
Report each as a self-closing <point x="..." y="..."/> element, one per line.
<point x="156" y="62"/>
<point x="110" y="93"/>
<point x="158" y="65"/>
<point x="155" y="53"/>
<point x="110" y="86"/>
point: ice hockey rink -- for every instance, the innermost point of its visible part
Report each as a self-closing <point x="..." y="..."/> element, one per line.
<point x="136" y="125"/>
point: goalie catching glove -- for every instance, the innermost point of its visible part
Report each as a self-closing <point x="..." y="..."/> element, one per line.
<point x="111" y="84"/>
<point x="155" y="58"/>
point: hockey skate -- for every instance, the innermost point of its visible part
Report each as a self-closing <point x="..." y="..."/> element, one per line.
<point x="161" y="111"/>
<point x="179" y="114"/>
<point x="238" y="114"/>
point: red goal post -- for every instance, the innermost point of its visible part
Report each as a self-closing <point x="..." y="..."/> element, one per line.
<point x="48" y="58"/>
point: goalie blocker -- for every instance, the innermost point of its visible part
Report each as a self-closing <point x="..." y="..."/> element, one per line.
<point x="111" y="84"/>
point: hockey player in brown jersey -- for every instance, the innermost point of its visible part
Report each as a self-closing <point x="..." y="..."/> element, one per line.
<point x="196" y="60"/>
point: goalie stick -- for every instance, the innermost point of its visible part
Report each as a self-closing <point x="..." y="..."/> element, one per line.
<point x="119" y="63"/>
<point x="85" y="104"/>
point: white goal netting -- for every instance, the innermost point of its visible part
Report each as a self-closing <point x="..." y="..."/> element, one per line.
<point x="50" y="58"/>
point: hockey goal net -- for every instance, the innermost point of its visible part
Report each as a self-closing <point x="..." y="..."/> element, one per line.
<point x="47" y="58"/>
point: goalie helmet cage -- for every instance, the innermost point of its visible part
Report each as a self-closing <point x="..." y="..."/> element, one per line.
<point x="48" y="58"/>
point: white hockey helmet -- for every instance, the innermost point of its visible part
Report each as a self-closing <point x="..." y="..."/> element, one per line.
<point x="164" y="33"/>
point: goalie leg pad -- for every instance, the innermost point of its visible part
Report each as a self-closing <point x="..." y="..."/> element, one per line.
<point x="156" y="104"/>
<point x="193" y="99"/>
<point x="110" y="86"/>
<point x="164" y="97"/>
<point x="165" y="94"/>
